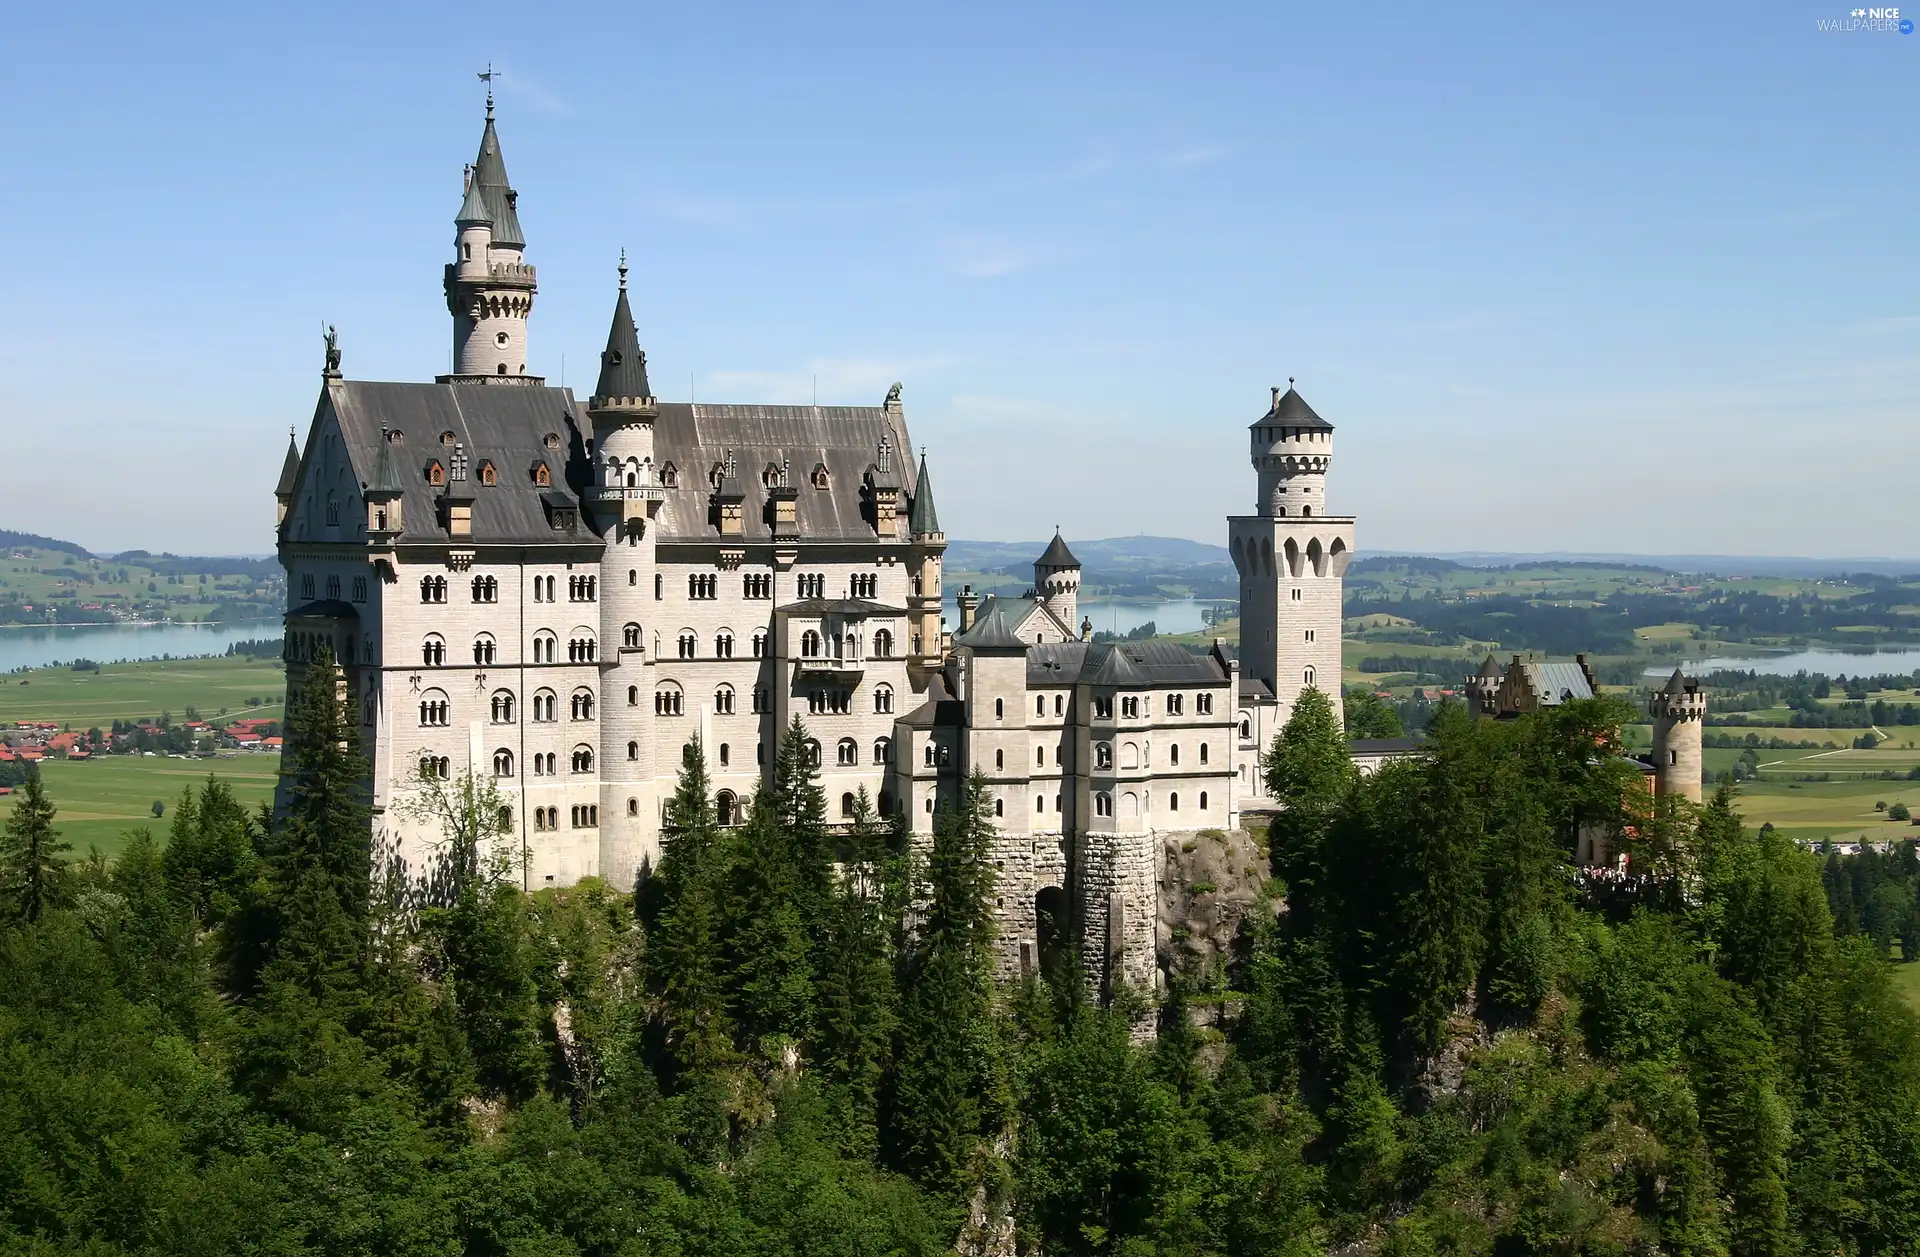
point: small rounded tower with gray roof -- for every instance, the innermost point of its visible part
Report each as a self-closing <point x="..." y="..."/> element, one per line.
<point x="1056" y="579"/>
<point x="488" y="284"/>
<point x="1679" y="710"/>
<point x="625" y="497"/>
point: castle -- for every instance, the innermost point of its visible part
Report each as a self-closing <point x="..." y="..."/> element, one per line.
<point x="559" y="596"/>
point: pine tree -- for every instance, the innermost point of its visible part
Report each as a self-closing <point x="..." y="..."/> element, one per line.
<point x="946" y="1039"/>
<point x="1309" y="772"/>
<point x="685" y="966"/>
<point x="33" y="872"/>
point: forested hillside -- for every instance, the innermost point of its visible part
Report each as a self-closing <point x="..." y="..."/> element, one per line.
<point x="1434" y="1037"/>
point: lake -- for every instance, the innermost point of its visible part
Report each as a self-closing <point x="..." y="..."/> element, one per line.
<point x="1830" y="662"/>
<point x="37" y="645"/>
<point x="1175" y="615"/>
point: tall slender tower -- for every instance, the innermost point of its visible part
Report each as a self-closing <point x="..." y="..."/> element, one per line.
<point x="1679" y="709"/>
<point x="625" y="497"/>
<point x="1291" y="556"/>
<point x="489" y="287"/>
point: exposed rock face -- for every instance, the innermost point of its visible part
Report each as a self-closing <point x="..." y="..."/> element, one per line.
<point x="1209" y="881"/>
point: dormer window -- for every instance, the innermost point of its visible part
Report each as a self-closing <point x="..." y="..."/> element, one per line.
<point x="436" y="474"/>
<point x="542" y="477"/>
<point x="488" y="476"/>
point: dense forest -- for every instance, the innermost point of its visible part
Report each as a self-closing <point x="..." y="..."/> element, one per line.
<point x="1435" y="1037"/>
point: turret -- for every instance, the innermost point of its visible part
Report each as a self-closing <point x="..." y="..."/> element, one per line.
<point x="1056" y="578"/>
<point x="1292" y="449"/>
<point x="489" y="286"/>
<point x="929" y="544"/>
<point x="1679" y="710"/>
<point x="625" y="498"/>
<point x="289" y="481"/>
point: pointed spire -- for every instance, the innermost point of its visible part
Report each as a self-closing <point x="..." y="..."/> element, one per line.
<point x="289" y="469"/>
<point x="495" y="193"/>
<point x="921" y="517"/>
<point x="623" y="365"/>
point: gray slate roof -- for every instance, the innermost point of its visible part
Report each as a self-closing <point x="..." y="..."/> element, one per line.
<point x="1291" y="410"/>
<point x="695" y="437"/>
<point x="1557" y="682"/>
<point x="490" y="177"/>
<point x="921" y="517"/>
<point x="289" y="470"/>
<point x="991" y="630"/>
<point x="1057" y="554"/>
<point x="1141" y="664"/>
<point x="623" y="367"/>
<point x="503" y="425"/>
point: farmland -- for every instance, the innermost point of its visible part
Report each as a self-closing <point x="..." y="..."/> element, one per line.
<point x="101" y="799"/>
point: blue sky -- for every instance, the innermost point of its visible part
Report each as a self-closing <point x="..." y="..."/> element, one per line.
<point x="1624" y="278"/>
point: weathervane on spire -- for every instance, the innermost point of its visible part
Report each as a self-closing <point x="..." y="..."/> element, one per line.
<point x="487" y="76"/>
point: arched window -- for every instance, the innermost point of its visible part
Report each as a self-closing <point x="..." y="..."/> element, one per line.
<point x="502" y="707"/>
<point x="883" y="750"/>
<point x="1103" y="755"/>
<point x="483" y="649"/>
<point x="723" y="644"/>
<point x="809" y="645"/>
<point x="503" y="763"/>
<point x="433" y="651"/>
<point x="582" y="704"/>
<point x="882" y="699"/>
<point x="433" y="709"/>
<point x="630" y="636"/>
<point x="583" y="759"/>
<point x="847" y="753"/>
<point x="883" y="644"/>
<point x="723" y="701"/>
<point x="1103" y="805"/>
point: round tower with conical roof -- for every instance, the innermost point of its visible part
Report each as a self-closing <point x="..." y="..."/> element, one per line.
<point x="1679" y="711"/>
<point x="1056" y="579"/>
<point x="489" y="285"/>
<point x="625" y="498"/>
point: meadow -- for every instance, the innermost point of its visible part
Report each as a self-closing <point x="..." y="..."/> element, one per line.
<point x="101" y="799"/>
<point x="135" y="691"/>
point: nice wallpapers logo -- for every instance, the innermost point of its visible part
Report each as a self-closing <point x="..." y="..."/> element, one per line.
<point x="1867" y="22"/>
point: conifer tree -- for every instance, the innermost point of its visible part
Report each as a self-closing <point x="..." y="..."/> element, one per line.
<point x="685" y="963"/>
<point x="945" y="1038"/>
<point x="1309" y="772"/>
<point x="33" y="870"/>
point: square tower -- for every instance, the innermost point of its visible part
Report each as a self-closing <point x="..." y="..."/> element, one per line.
<point x="1291" y="556"/>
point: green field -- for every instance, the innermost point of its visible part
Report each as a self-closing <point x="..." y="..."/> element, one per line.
<point x="133" y="691"/>
<point x="99" y="800"/>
